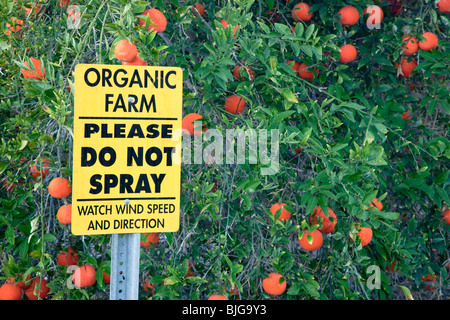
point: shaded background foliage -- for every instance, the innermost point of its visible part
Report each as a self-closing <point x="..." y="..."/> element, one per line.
<point x="347" y="121"/>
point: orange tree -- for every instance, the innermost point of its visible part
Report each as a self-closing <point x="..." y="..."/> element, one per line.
<point x="368" y="122"/>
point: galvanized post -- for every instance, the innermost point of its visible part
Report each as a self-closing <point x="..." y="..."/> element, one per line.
<point x="125" y="250"/>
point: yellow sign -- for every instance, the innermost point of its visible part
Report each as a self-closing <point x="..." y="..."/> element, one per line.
<point x="125" y="177"/>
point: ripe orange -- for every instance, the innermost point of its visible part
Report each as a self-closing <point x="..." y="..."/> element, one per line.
<point x="348" y="53"/>
<point x="149" y="287"/>
<point x="410" y="45"/>
<point x="430" y="43"/>
<point x="407" y="115"/>
<point x="106" y="277"/>
<point x="157" y="17"/>
<point x="37" y="73"/>
<point x="151" y="239"/>
<point x="36" y="172"/>
<point x="16" y="25"/>
<point x="199" y="8"/>
<point x="84" y="276"/>
<point x="23" y="283"/>
<point x="271" y="285"/>
<point x="446" y="216"/>
<point x="375" y="13"/>
<point x="376" y="203"/>
<point x="317" y="240"/>
<point x="10" y="291"/>
<point x="67" y="258"/>
<point x="327" y="223"/>
<point x="349" y="15"/>
<point x="217" y="297"/>
<point x="59" y="188"/>
<point x="444" y="6"/>
<point x="38" y="289"/>
<point x="31" y="8"/>
<point x="64" y="214"/>
<point x="406" y="67"/>
<point x="284" y="215"/>
<point x="295" y="65"/>
<point x="365" y="234"/>
<point x="234" y="104"/>
<point x="188" y="126"/>
<point x="125" y="51"/>
<point x="243" y="73"/>
<point x="304" y="73"/>
<point x="300" y="12"/>
<point x="138" y="61"/>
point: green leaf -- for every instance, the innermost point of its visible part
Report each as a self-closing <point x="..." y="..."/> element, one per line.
<point x="288" y="95"/>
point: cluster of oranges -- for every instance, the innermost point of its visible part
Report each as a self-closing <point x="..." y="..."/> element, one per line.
<point x="312" y="239"/>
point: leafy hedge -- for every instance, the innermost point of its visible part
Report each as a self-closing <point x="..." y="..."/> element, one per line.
<point x="355" y="146"/>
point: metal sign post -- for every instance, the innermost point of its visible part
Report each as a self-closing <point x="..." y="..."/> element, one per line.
<point x="125" y="266"/>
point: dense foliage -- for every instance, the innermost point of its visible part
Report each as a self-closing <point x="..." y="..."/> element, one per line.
<point x="356" y="145"/>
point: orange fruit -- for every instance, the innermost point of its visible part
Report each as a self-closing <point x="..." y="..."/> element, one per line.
<point x="199" y="8"/>
<point x="375" y="13"/>
<point x="9" y="291"/>
<point x="234" y="104"/>
<point x="36" y="172"/>
<point x="64" y="3"/>
<point x="138" y="61"/>
<point x="243" y="73"/>
<point x="67" y="258"/>
<point x="284" y="215"/>
<point x="443" y="6"/>
<point x="84" y="276"/>
<point x="106" y="277"/>
<point x="64" y="214"/>
<point x="304" y="73"/>
<point x="317" y="240"/>
<point x="59" y="188"/>
<point x="31" y="8"/>
<point x="217" y="297"/>
<point x="149" y="287"/>
<point x="37" y="73"/>
<point x="406" y="67"/>
<point x="348" y="53"/>
<point x="365" y="234"/>
<point x="349" y="15"/>
<point x="410" y="45"/>
<point x="271" y="285"/>
<point x="16" y="25"/>
<point x="295" y="65"/>
<point x="327" y="223"/>
<point x="125" y="51"/>
<point x="22" y="283"/>
<point x="446" y="216"/>
<point x="157" y="17"/>
<point x="38" y="289"/>
<point x="151" y="239"/>
<point x="189" y="272"/>
<point x="187" y="124"/>
<point x="300" y="12"/>
<point x="430" y="43"/>
<point x="376" y="203"/>
<point x="407" y="115"/>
